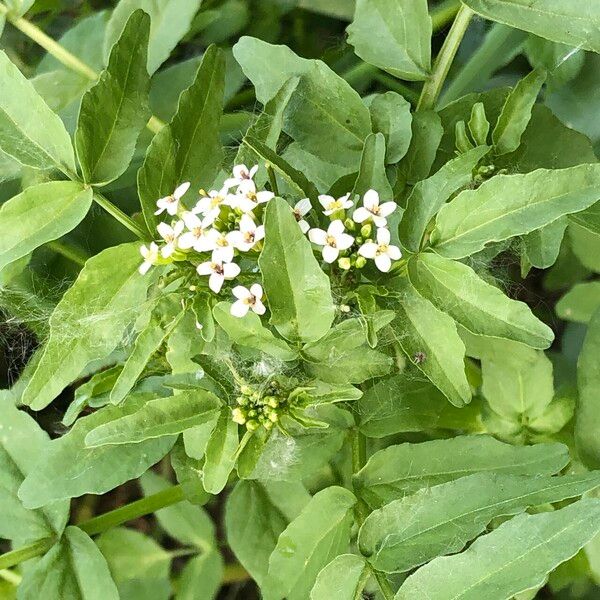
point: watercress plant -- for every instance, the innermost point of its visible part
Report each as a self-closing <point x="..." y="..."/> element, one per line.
<point x="307" y="340"/>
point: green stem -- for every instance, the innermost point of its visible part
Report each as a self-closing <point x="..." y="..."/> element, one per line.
<point x="443" y="13"/>
<point x="10" y="559"/>
<point x="234" y="573"/>
<point x="119" y="215"/>
<point x="10" y="576"/>
<point x="272" y="179"/>
<point x="397" y="86"/>
<point x="433" y="85"/>
<point x="76" y="255"/>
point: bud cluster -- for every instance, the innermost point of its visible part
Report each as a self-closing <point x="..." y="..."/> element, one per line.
<point x="260" y="408"/>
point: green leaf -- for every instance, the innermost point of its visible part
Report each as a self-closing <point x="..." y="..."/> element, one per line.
<point x="513" y="558"/>
<point x="429" y="195"/>
<point x="399" y="470"/>
<point x="580" y="303"/>
<point x="220" y="453"/>
<point x="509" y="205"/>
<point x="561" y="21"/>
<point x="201" y="577"/>
<point x="115" y="110"/>
<point x="475" y="304"/>
<point x="541" y="247"/>
<point x="156" y="419"/>
<point x="371" y="174"/>
<point x="298" y="290"/>
<point x="588" y="379"/>
<point x="110" y="288"/>
<point x="189" y="148"/>
<point x="21" y="444"/>
<point x="248" y="331"/>
<point x="40" y="214"/>
<point x="406" y="402"/>
<point x="402" y="45"/>
<point x="390" y="115"/>
<point x="344" y="578"/>
<point x="425" y="332"/>
<point x="170" y="21"/>
<point x="29" y="131"/>
<point x="316" y="536"/>
<point x="70" y="469"/>
<point x="73" y="568"/>
<point x="516" y="112"/>
<point x="440" y="520"/>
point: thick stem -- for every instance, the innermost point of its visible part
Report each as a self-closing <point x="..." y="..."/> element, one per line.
<point x="119" y="215"/>
<point x="433" y="85"/>
<point x="10" y="559"/>
<point x="443" y="13"/>
<point x="74" y="254"/>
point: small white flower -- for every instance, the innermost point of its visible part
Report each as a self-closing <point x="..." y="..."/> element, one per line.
<point x="240" y="173"/>
<point x="210" y="204"/>
<point x="248" y="198"/>
<point x="221" y="245"/>
<point x="372" y="209"/>
<point x="171" y="203"/>
<point x="301" y="209"/>
<point x="195" y="237"/>
<point x="248" y="236"/>
<point x="381" y="252"/>
<point x="333" y="240"/>
<point x="247" y="299"/>
<point x="331" y="205"/>
<point x="170" y="235"/>
<point x="218" y="272"/>
<point x="150" y="254"/>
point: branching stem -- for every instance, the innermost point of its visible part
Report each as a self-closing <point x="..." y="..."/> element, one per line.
<point x="119" y="215"/>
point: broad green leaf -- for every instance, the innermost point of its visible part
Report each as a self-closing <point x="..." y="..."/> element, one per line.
<point x="371" y="174"/>
<point x="572" y="23"/>
<point x="196" y="438"/>
<point x="189" y="148"/>
<point x="424" y="331"/>
<point x="513" y="558"/>
<point x="516" y="113"/>
<point x="220" y="453"/>
<point x="588" y="379"/>
<point x="89" y="321"/>
<point x="156" y="419"/>
<point x="511" y="205"/>
<point x="316" y="536"/>
<point x="249" y="331"/>
<point x="183" y="521"/>
<point x="429" y="195"/>
<point x="541" y="247"/>
<point x="298" y="290"/>
<point x="201" y="577"/>
<point x="170" y="21"/>
<point x="400" y="470"/>
<point x="354" y="366"/>
<point x="407" y="402"/>
<point x="42" y="213"/>
<point x="390" y="115"/>
<point x="580" y="303"/>
<point x="115" y="110"/>
<point x="477" y="305"/>
<point x="70" y="469"/>
<point x="589" y="218"/>
<point x="344" y="578"/>
<point x="22" y="442"/>
<point x="138" y="565"/>
<point x="440" y="520"/>
<point x="29" y="131"/>
<point x="341" y="9"/>
<point x="72" y="568"/>
<point x="402" y="43"/>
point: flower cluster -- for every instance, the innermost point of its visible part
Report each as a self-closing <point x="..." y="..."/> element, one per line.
<point x="255" y="409"/>
<point x="350" y="241"/>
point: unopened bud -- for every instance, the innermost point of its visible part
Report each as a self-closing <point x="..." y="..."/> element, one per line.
<point x="361" y="261"/>
<point x="349" y="224"/>
<point x="246" y="390"/>
<point x="252" y="425"/>
<point x="344" y="263"/>
<point x="366" y="230"/>
<point x="238" y="416"/>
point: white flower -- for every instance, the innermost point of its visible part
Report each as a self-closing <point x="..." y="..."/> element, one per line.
<point x="150" y="254"/>
<point x="195" y="237"/>
<point x="240" y="173"/>
<point x="247" y="198"/>
<point x="331" y="205"/>
<point x="247" y="299"/>
<point x="248" y="236"/>
<point x="171" y="203"/>
<point x="381" y="251"/>
<point x="170" y="235"/>
<point x="372" y="209"/>
<point x="218" y="272"/>
<point x="301" y="209"/>
<point x="220" y="244"/>
<point x="210" y="204"/>
<point x="333" y="240"/>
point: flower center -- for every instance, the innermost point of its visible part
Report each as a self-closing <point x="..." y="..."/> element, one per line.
<point x="222" y="242"/>
<point x="374" y="210"/>
<point x="331" y="241"/>
<point x="249" y="237"/>
<point x="217" y="268"/>
<point x="197" y="231"/>
<point x="251" y="195"/>
<point x="250" y="301"/>
<point x="382" y="249"/>
<point x="335" y="205"/>
<point x="216" y="201"/>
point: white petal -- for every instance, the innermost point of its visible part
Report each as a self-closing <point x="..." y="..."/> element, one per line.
<point x="205" y="268"/>
<point x="144" y="267"/>
<point x="231" y="270"/>
<point x="240" y="171"/>
<point x="304" y="226"/>
<point x="223" y="254"/>
<point x="181" y="190"/>
<point x="336" y="228"/>
<point x="247" y="224"/>
<point x="187" y="240"/>
<point x="379" y="221"/>
<point x="178" y="228"/>
<point x="383" y="236"/>
<point x="394" y="253"/>
<point x="245" y="204"/>
<point x="247" y="186"/>
<point x="383" y="262"/>
<point x="239" y="309"/>
<point x="371" y="199"/>
<point x="303" y="207"/>
<point x="191" y="220"/>
<point x="259" y="233"/>
<point x="361" y="215"/>
<point x="344" y="241"/>
<point x="215" y="282"/>
<point x="256" y="290"/>
<point x="259" y="308"/>
<point x="326" y="200"/>
<point x="347" y="204"/>
<point x="167" y="250"/>
<point x="368" y="250"/>
<point x="172" y="208"/>
<point x="145" y="251"/>
<point x="253" y="171"/>
<point x="238" y="240"/>
<point x="264" y="196"/>
<point x="317" y="236"/>
<point x="164" y="230"/>
<point x="330" y="254"/>
<point x="387" y="208"/>
<point x="241" y="292"/>
<point x="231" y="182"/>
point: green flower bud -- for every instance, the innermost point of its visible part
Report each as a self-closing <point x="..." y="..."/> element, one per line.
<point x="242" y="400"/>
<point x="274" y="417"/>
<point x="252" y="425"/>
<point x="366" y="230"/>
<point x="246" y="390"/>
<point x="252" y="413"/>
<point x="349" y="224"/>
<point x="238" y="416"/>
<point x="361" y="261"/>
<point x="344" y="263"/>
<point x="273" y="402"/>
<point x="268" y="425"/>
